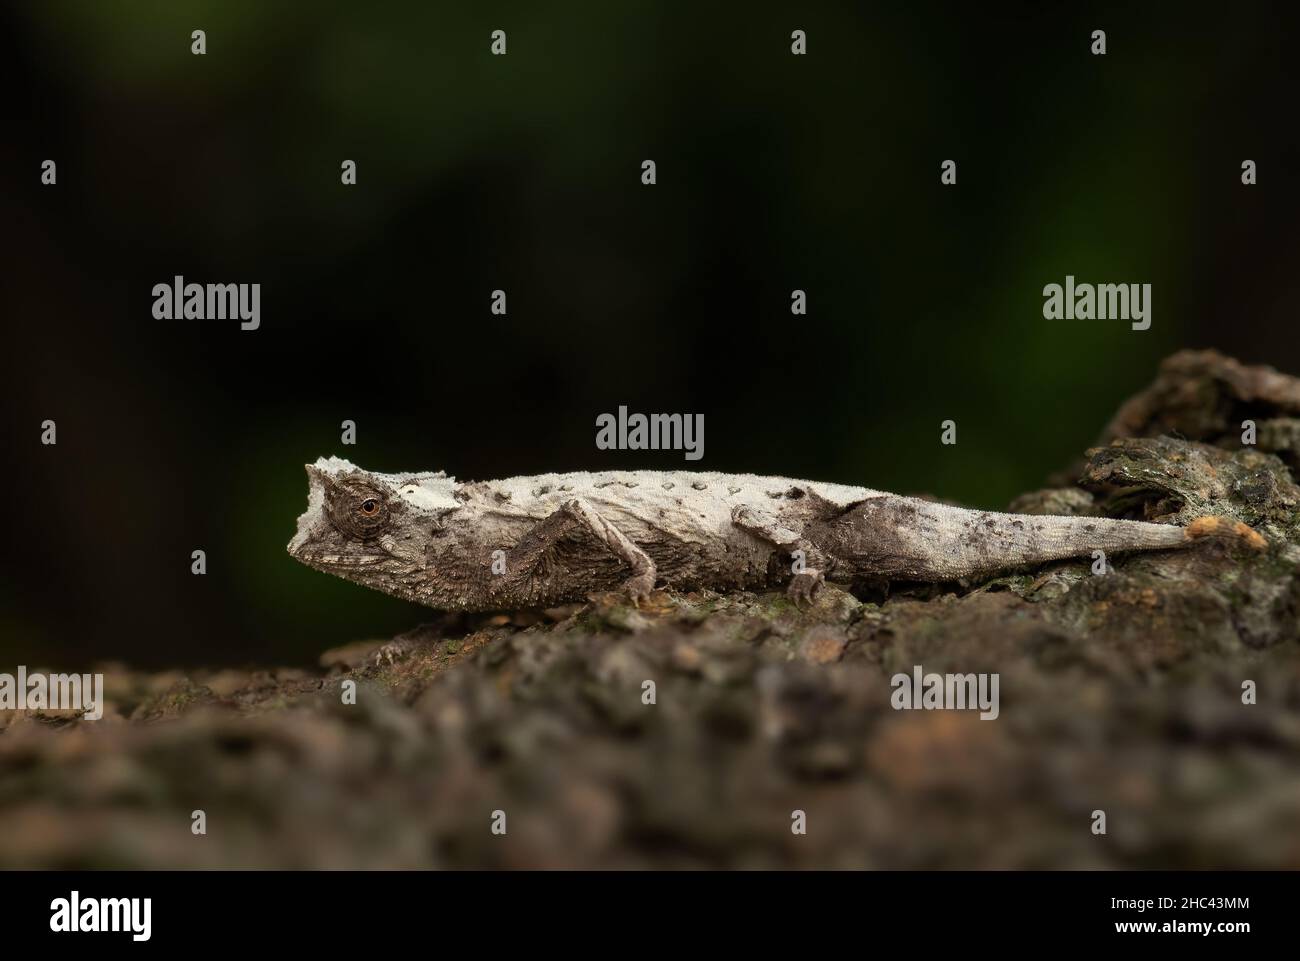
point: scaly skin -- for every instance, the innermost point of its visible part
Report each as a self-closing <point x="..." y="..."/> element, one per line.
<point x="556" y="538"/>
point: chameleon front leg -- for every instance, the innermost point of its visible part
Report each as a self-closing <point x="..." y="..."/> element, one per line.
<point x="555" y="556"/>
<point x="806" y="583"/>
<point x="642" y="581"/>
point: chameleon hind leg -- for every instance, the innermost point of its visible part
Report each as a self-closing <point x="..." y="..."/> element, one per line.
<point x="806" y="582"/>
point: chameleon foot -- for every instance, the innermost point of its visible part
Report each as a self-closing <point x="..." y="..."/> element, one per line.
<point x="638" y="587"/>
<point x="805" y="586"/>
<point x="392" y="651"/>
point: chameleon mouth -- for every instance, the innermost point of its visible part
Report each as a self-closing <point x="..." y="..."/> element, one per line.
<point x="333" y="561"/>
<point x="297" y="545"/>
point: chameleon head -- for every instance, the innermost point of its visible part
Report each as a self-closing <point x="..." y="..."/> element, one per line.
<point x="373" y="529"/>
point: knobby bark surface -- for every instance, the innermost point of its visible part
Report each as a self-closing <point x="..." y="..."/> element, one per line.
<point x="1120" y="693"/>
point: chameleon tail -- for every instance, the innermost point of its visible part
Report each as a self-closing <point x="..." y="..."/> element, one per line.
<point x="907" y="538"/>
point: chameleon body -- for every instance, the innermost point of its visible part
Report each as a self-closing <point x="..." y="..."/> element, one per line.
<point x="552" y="539"/>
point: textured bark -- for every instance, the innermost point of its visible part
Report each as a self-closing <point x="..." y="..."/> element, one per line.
<point x="1120" y="692"/>
<point x="1202" y="395"/>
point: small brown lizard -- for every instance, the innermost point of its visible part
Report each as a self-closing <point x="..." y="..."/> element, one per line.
<point x="555" y="538"/>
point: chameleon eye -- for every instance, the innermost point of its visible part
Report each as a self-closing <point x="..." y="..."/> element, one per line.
<point x="360" y="508"/>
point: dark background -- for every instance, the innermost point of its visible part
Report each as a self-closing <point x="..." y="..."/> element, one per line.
<point x="522" y="172"/>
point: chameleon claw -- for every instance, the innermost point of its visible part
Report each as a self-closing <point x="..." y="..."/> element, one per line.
<point x="805" y="586"/>
<point x="390" y="653"/>
<point x="638" y="587"/>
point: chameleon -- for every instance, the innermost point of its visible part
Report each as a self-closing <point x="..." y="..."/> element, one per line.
<point x="553" y="539"/>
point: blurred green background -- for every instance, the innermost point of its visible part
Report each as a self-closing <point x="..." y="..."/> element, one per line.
<point x="522" y="172"/>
